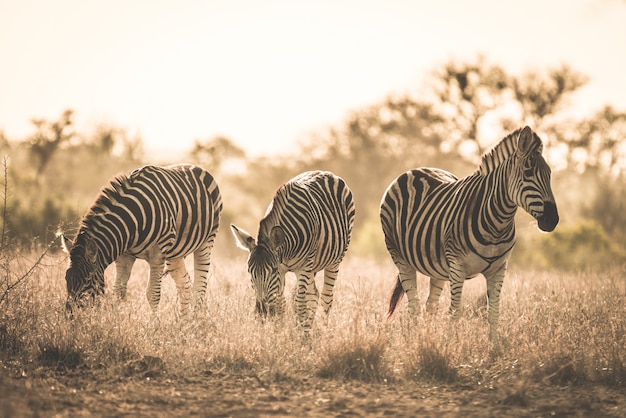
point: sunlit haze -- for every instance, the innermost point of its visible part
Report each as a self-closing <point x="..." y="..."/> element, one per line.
<point x="268" y="74"/>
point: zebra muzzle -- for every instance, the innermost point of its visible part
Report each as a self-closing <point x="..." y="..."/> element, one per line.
<point x="265" y="309"/>
<point x="262" y="309"/>
<point x="69" y="310"/>
<point x="550" y="217"/>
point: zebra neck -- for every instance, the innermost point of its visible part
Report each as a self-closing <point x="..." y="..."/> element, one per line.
<point x="111" y="243"/>
<point x="497" y="211"/>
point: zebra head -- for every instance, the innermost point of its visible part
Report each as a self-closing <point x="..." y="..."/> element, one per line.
<point x="533" y="192"/>
<point x="263" y="263"/>
<point x="85" y="275"/>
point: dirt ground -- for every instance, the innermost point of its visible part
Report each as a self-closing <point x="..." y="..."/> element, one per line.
<point x="145" y="390"/>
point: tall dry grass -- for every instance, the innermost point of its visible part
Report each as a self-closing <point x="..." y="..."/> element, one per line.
<point x="555" y="328"/>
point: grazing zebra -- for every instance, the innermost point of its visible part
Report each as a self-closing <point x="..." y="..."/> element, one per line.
<point x="159" y="214"/>
<point x="451" y="229"/>
<point x="306" y="228"/>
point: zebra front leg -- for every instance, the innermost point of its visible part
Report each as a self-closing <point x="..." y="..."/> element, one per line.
<point x="436" y="286"/>
<point x="330" y="276"/>
<point x="494" y="287"/>
<point x="176" y="268"/>
<point x="153" y="291"/>
<point x="456" y="291"/>
<point x="313" y="297"/>
<point x="201" y="273"/>
<point x="306" y="300"/>
<point x="456" y="277"/>
<point x="123" y="268"/>
<point x="155" y="258"/>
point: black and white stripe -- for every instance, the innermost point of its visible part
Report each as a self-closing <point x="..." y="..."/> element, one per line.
<point x="160" y="214"/>
<point x="306" y="229"/>
<point x="453" y="229"/>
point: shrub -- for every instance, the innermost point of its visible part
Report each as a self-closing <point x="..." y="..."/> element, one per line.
<point x="581" y="246"/>
<point x="432" y="363"/>
<point x="356" y="356"/>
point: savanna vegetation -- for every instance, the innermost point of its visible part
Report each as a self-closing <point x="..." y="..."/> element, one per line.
<point x="562" y="350"/>
<point x="562" y="308"/>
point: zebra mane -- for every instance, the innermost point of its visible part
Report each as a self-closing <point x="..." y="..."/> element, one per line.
<point x="499" y="153"/>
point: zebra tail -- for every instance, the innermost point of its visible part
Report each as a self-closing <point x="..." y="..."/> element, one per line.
<point x="398" y="291"/>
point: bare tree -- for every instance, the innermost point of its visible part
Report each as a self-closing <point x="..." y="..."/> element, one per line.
<point x="542" y="95"/>
<point x="214" y="152"/>
<point x="48" y="138"/>
<point x="465" y="93"/>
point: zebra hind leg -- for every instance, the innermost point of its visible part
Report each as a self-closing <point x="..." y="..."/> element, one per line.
<point x="179" y="273"/>
<point x="408" y="280"/>
<point x="436" y="286"/>
<point x="330" y="276"/>
<point x="306" y="300"/>
<point x="201" y="273"/>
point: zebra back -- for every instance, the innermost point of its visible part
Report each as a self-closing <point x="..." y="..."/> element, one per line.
<point x="315" y="212"/>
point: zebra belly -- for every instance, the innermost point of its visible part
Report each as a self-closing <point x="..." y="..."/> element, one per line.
<point x="302" y="265"/>
<point x="154" y="252"/>
<point x="467" y="265"/>
<point x="151" y="254"/>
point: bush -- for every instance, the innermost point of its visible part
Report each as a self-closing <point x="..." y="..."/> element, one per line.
<point x="431" y="363"/>
<point x="583" y="245"/>
<point x="608" y="207"/>
<point x="36" y="223"/>
<point x="356" y="356"/>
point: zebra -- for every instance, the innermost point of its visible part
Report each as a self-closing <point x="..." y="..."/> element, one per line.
<point x="158" y="214"/>
<point x="453" y="229"/>
<point x="306" y="228"/>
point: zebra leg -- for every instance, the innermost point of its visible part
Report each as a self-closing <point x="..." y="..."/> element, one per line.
<point x="201" y="272"/>
<point x="281" y="302"/>
<point x="313" y="297"/>
<point x="306" y="300"/>
<point x="436" y="286"/>
<point x="330" y="276"/>
<point x="123" y="268"/>
<point x="153" y="291"/>
<point x="456" y="290"/>
<point x="156" y="260"/>
<point x="494" y="286"/>
<point x="408" y="279"/>
<point x="179" y="273"/>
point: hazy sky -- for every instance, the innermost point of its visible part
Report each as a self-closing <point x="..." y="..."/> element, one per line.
<point x="267" y="73"/>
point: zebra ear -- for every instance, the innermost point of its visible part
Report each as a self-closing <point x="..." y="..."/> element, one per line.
<point x="244" y="240"/>
<point x="277" y="236"/>
<point x="91" y="251"/>
<point x="525" y="142"/>
<point x="66" y="243"/>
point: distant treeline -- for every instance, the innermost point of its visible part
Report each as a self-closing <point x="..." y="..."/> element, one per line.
<point x="462" y="109"/>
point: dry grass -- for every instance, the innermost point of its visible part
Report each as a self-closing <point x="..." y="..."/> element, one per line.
<point x="555" y="328"/>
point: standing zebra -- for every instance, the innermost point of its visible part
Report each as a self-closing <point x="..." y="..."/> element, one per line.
<point x="159" y="214"/>
<point x="306" y="228"/>
<point x="451" y="229"/>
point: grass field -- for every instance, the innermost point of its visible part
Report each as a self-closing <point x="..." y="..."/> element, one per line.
<point x="562" y="352"/>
